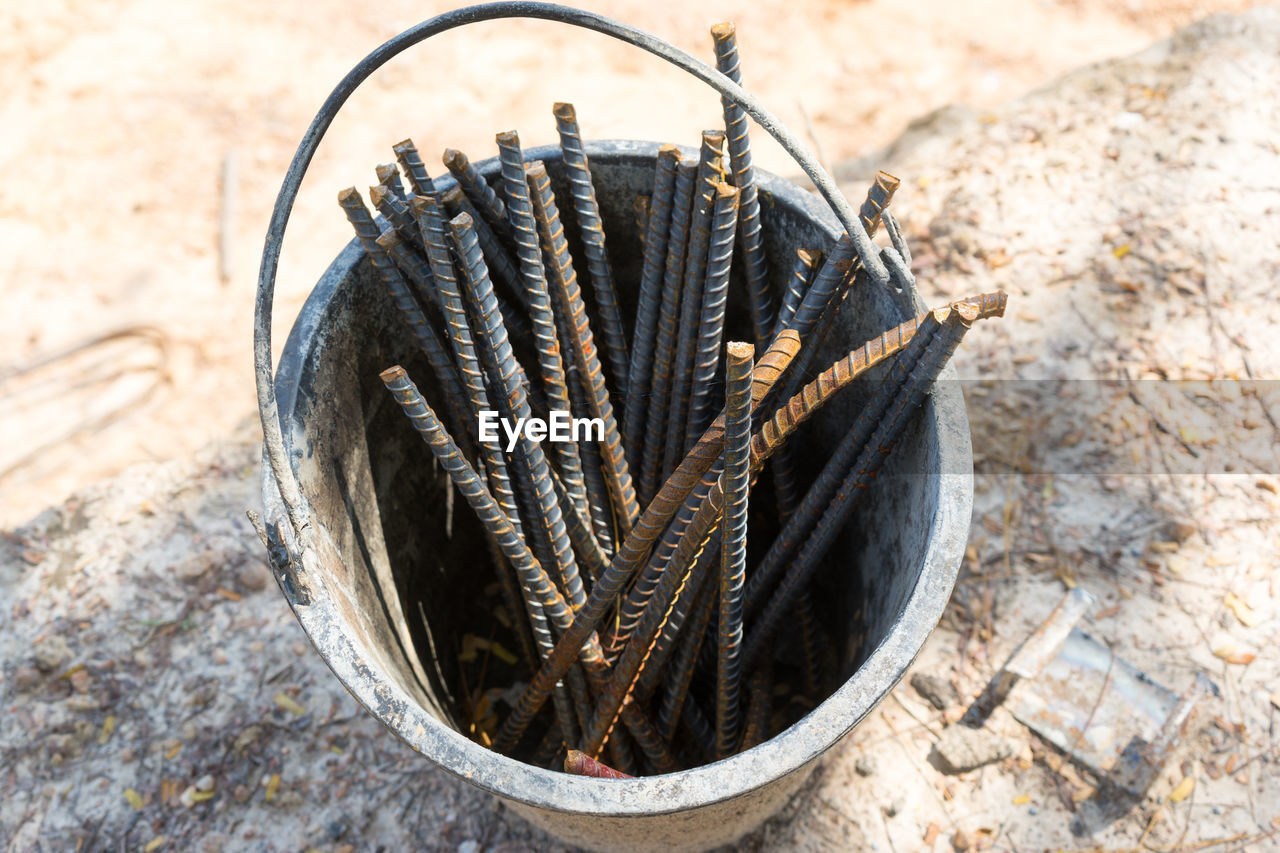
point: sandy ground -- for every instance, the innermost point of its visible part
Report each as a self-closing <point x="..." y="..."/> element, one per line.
<point x="126" y="112"/>
<point x="1128" y="208"/>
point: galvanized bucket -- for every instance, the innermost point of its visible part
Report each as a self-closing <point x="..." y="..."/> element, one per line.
<point x="372" y="583"/>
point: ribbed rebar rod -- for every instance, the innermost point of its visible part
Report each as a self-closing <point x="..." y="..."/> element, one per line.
<point x="894" y="231"/>
<point x="426" y="337"/>
<point x="581" y="764"/>
<point x="752" y="238"/>
<point x="679" y="675"/>
<point x="715" y="299"/>
<point x="413" y="265"/>
<point x="653" y="456"/>
<point x="648" y="303"/>
<point x="802" y="272"/>
<point x="733" y="539"/>
<point x="529" y="452"/>
<point x="389" y="176"/>
<point x="477" y="189"/>
<point x="568" y="296"/>
<point x="551" y="362"/>
<point x="591" y="229"/>
<point x="492" y="519"/>
<point x="635" y="548"/>
<point x="954" y="321"/>
<point x="759" y="704"/>
<point x="395" y="211"/>
<point x="501" y="265"/>
<point x="710" y="165"/>
<point x="414" y="169"/>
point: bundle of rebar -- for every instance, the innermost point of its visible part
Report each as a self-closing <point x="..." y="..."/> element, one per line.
<point x="622" y="554"/>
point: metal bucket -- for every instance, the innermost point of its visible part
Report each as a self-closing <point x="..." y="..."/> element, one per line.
<point x="378" y="593"/>
<point x="361" y="540"/>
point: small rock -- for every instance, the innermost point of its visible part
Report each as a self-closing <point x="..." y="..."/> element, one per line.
<point x="893" y="807"/>
<point x="469" y="846"/>
<point x="865" y="765"/>
<point x="215" y="842"/>
<point x="127" y="755"/>
<point x="961" y="841"/>
<point x="961" y="748"/>
<point x="253" y="576"/>
<point x="204" y="783"/>
<point x="81" y="681"/>
<point x="241" y="793"/>
<point x="935" y="690"/>
<point x="51" y="653"/>
<point x="26" y="678"/>
<point x="197" y="566"/>
<point x="218" y="656"/>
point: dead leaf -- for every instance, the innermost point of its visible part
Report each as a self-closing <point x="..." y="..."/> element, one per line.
<point x="1183" y="789"/>
<point x="273" y="785"/>
<point x="1229" y="654"/>
<point x="108" y="726"/>
<point x="229" y="595"/>
<point x="1022" y="799"/>
<point x="288" y="703"/>
<point x="154" y="844"/>
<point x="931" y="835"/>
<point x="134" y="798"/>
<point x="1241" y="610"/>
<point x="1121" y="250"/>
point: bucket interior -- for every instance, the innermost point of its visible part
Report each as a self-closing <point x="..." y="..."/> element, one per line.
<point x="416" y="577"/>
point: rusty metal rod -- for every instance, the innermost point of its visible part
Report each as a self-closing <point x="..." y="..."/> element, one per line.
<point x="733" y="547"/>
<point x="414" y="169"/>
<point x="568" y="297"/>
<point x="395" y="211"/>
<point x="636" y="546"/>
<point x="591" y="229"/>
<point x="494" y="521"/>
<point x="477" y="190"/>
<point x="389" y="176"/>
<point x="424" y="334"/>
<point x="648" y="303"/>
<point x="501" y="265"/>
<point x="580" y="764"/>
<point x="679" y="675"/>
<point x="802" y="273"/>
<point x="715" y="300"/>
<point x="710" y="165"/>
<point x="752" y="238"/>
<point x="550" y="361"/>
<point x="953" y="321"/>
<point x="515" y="402"/>
<point x="760" y="691"/>
<point x="652" y="471"/>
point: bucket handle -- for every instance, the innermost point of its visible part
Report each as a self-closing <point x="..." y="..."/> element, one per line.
<point x="296" y="505"/>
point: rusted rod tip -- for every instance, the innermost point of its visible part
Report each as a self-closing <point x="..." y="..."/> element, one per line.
<point x="670" y="150"/>
<point x="348" y="194"/>
<point x="537" y="169"/>
<point x="461" y="223"/>
<point x="403" y="145"/>
<point x="388" y="239"/>
<point x="378" y="194"/>
<point x="723" y="30"/>
<point x="739" y="350"/>
<point x="391" y="374"/>
<point x="453" y="157"/>
<point x="564" y="110"/>
<point x="888" y="181"/>
<point x="724" y="190"/>
<point x="507" y="137"/>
